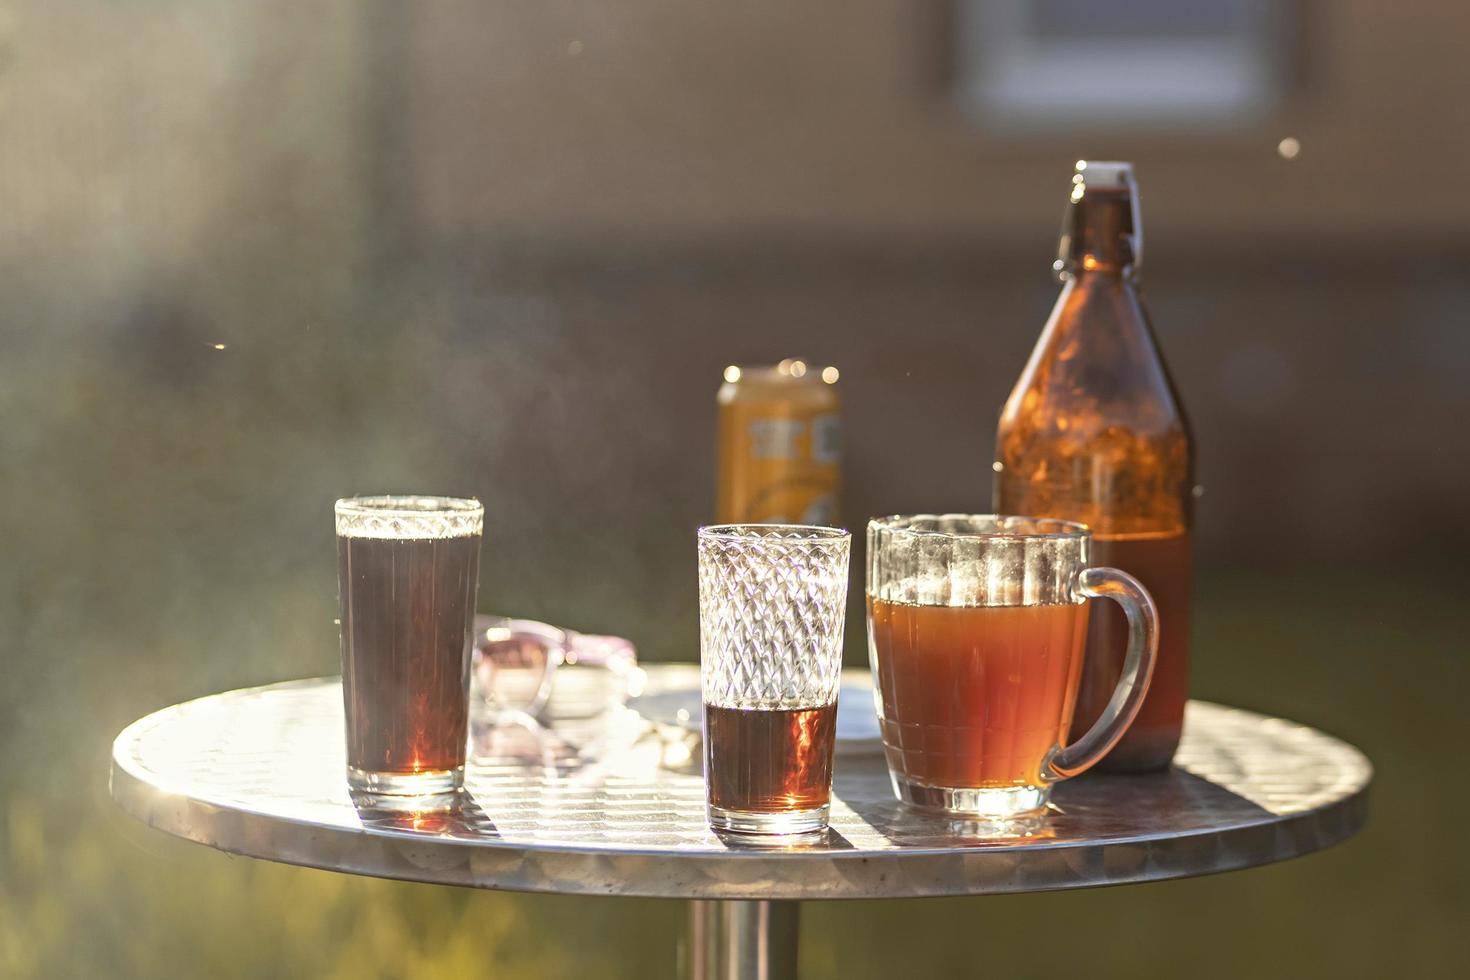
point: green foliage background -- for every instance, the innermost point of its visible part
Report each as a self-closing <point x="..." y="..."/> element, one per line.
<point x="171" y="537"/>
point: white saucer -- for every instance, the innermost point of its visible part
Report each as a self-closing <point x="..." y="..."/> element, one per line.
<point x="677" y="704"/>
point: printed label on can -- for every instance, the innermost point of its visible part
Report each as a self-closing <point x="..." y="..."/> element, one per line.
<point x="775" y="438"/>
<point x="826" y="439"/>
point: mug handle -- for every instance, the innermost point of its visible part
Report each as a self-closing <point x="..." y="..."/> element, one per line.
<point x="1138" y="670"/>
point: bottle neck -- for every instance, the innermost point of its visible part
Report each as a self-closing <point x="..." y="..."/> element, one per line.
<point x="1100" y="235"/>
<point x="1103" y="243"/>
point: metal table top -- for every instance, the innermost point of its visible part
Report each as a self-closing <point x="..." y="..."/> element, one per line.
<point x="594" y="808"/>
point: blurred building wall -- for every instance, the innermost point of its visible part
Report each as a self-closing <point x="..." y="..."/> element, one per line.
<point x="724" y="184"/>
<point x="656" y="117"/>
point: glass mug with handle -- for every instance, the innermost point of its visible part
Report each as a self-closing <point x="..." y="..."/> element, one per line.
<point x="976" y="629"/>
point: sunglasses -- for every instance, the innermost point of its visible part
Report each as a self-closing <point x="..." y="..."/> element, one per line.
<point x="518" y="665"/>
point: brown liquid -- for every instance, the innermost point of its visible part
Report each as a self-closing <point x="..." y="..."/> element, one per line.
<point x="1094" y="431"/>
<point x="975" y="696"/>
<point x="1165" y="566"/>
<point x="759" y="760"/>
<point x="407" y="610"/>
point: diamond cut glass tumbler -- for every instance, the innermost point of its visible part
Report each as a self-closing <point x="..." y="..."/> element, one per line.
<point x="976" y="629"/>
<point x="771" y="605"/>
<point x="408" y="568"/>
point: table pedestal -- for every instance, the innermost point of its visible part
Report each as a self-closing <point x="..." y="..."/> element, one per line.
<point x="742" y="940"/>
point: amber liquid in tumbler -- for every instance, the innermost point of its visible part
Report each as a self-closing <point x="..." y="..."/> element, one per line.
<point x="407" y="610"/>
<point x="1094" y="431"/>
<point x="975" y="696"/>
<point x="766" y="760"/>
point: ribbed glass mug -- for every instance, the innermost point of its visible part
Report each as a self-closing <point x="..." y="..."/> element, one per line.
<point x="976" y="630"/>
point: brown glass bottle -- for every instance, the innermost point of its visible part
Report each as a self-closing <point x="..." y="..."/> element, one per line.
<point x="1094" y="432"/>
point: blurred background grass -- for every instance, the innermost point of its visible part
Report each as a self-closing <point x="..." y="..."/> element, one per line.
<point x="255" y="257"/>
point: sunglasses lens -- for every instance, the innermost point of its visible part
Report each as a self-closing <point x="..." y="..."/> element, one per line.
<point x="510" y="667"/>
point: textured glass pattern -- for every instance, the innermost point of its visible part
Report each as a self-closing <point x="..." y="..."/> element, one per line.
<point x="771" y="605"/>
<point x="409" y="517"/>
<point x="975" y="560"/>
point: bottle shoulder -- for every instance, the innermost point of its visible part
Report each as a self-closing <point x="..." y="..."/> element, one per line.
<point x="1097" y="367"/>
<point x="1093" y="430"/>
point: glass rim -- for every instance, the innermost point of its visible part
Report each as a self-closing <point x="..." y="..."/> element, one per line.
<point x="1044" y="528"/>
<point x="409" y="516"/>
<point x="406" y="505"/>
<point x="774" y="533"/>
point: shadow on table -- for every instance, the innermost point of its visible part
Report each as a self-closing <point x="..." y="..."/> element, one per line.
<point x="466" y="820"/>
<point x="1092" y="807"/>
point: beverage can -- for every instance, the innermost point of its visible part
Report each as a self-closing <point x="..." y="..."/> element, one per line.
<point x="780" y="453"/>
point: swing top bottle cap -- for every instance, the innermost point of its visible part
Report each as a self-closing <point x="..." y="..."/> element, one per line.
<point x="1101" y="219"/>
<point x="1104" y="173"/>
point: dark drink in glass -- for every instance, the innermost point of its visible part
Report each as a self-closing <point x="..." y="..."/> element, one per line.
<point x="771" y="604"/>
<point x="772" y="760"/>
<point x="408" y="568"/>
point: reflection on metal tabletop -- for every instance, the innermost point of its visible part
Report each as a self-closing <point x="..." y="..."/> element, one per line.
<point x="600" y="807"/>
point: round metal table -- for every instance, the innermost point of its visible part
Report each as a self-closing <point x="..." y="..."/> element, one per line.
<point x="615" y="806"/>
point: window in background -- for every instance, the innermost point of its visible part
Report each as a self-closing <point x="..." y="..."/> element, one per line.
<point x="1043" y="63"/>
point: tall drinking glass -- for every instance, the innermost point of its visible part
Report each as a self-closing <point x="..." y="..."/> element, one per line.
<point x="976" y="629"/>
<point x="408" y="569"/>
<point x="771" y="603"/>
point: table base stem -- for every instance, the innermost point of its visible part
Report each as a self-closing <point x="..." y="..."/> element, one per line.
<point x="742" y="940"/>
